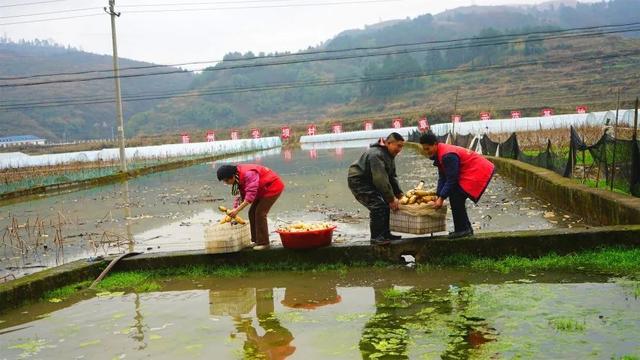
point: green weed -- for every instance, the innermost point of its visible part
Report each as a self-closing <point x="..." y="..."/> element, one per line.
<point x="567" y="325"/>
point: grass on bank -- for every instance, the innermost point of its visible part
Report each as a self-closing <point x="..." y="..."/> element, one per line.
<point x="614" y="261"/>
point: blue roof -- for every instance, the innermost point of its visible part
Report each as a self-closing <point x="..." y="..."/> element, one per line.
<point x="19" y="138"/>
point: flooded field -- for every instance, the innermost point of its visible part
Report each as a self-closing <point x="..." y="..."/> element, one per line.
<point x="169" y="211"/>
<point x="361" y="313"/>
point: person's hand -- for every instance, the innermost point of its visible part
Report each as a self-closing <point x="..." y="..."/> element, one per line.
<point x="394" y="204"/>
<point x="438" y="204"/>
<point x="233" y="212"/>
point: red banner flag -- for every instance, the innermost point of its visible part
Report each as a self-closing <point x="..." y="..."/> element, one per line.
<point x="546" y="112"/>
<point x="311" y="130"/>
<point x="516" y="114"/>
<point x="255" y="133"/>
<point x="185" y="138"/>
<point x="368" y="125"/>
<point x="485" y="115"/>
<point x="423" y="124"/>
<point x="211" y="136"/>
<point x="582" y="109"/>
<point x="336" y="128"/>
<point x="235" y="135"/>
<point x="456" y="118"/>
<point x="286" y="132"/>
<point x="396" y="123"/>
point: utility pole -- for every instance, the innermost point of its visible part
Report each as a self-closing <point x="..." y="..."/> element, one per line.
<point x="615" y="140"/>
<point x="455" y="110"/>
<point x="116" y="74"/>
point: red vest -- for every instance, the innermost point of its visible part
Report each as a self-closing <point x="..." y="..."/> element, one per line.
<point x="475" y="170"/>
<point x="269" y="184"/>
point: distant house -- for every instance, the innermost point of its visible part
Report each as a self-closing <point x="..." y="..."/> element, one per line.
<point x="21" y="140"/>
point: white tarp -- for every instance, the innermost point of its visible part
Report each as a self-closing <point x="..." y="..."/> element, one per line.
<point x="355" y="135"/>
<point x="145" y="152"/>
<point x="480" y="127"/>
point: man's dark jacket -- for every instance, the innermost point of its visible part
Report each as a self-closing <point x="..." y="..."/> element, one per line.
<point x="376" y="168"/>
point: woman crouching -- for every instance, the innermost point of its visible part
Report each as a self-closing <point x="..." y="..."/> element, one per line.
<point x="257" y="186"/>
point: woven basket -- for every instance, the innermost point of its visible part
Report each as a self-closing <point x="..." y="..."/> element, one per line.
<point x="226" y="238"/>
<point x="401" y="221"/>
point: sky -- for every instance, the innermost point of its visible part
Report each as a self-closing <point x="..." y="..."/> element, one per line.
<point x="148" y="33"/>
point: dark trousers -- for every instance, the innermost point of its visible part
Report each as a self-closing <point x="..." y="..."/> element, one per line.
<point x="457" y="199"/>
<point x="379" y="212"/>
<point x="258" y="219"/>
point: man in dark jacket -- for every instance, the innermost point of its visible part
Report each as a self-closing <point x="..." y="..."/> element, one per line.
<point x="374" y="183"/>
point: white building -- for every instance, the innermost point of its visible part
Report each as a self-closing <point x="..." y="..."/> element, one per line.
<point x="21" y="140"/>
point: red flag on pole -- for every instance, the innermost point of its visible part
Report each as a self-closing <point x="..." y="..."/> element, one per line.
<point x="423" y="124"/>
<point x="211" y="136"/>
<point x="311" y="130"/>
<point x="547" y="112"/>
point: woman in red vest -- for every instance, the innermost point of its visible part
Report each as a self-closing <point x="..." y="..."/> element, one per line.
<point x="257" y="186"/>
<point x="462" y="174"/>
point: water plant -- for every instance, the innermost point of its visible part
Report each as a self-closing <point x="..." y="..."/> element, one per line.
<point x="567" y="325"/>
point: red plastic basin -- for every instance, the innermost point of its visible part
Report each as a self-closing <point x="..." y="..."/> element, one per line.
<point x="306" y="239"/>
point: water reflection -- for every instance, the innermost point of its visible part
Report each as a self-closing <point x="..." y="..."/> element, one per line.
<point x="411" y="321"/>
<point x="274" y="340"/>
<point x="373" y="314"/>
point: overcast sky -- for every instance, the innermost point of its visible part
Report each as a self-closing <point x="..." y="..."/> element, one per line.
<point x="179" y="37"/>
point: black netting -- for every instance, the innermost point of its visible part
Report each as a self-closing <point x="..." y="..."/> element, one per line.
<point x="463" y="140"/>
<point x="489" y="147"/>
<point x="414" y="136"/>
<point x="442" y="138"/>
<point x="609" y="162"/>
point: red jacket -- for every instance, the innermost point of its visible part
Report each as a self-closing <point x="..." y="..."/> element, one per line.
<point x="475" y="170"/>
<point x="269" y="183"/>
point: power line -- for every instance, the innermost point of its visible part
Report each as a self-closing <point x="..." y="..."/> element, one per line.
<point x="261" y="6"/>
<point x="380" y="47"/>
<point x="33" y="3"/>
<point x="297" y="61"/>
<point x="48" y="13"/>
<point x="52" y="19"/>
<point x="204" y="3"/>
<point x="200" y="9"/>
<point x="344" y="81"/>
<point x="177" y="92"/>
<point x="205" y="9"/>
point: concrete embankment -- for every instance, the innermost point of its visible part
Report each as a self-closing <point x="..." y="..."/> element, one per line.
<point x="426" y="249"/>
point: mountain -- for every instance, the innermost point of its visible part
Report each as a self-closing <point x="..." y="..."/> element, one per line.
<point x="19" y="59"/>
<point x="334" y="82"/>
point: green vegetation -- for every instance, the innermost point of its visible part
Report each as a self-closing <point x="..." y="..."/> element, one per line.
<point x="568" y="325"/>
<point x="608" y="260"/>
<point x="615" y="261"/>
<point x="66" y="291"/>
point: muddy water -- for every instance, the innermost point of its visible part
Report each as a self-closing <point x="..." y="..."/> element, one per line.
<point x="169" y="211"/>
<point x="360" y="313"/>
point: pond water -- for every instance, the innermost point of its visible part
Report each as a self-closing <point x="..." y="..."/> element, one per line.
<point x="169" y="210"/>
<point x="360" y="313"/>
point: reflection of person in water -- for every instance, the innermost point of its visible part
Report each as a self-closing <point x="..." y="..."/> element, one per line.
<point x="310" y="298"/>
<point x="275" y="343"/>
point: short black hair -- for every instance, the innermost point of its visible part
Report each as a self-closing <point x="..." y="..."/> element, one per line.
<point x="428" y="138"/>
<point x="394" y="136"/>
<point x="226" y="172"/>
